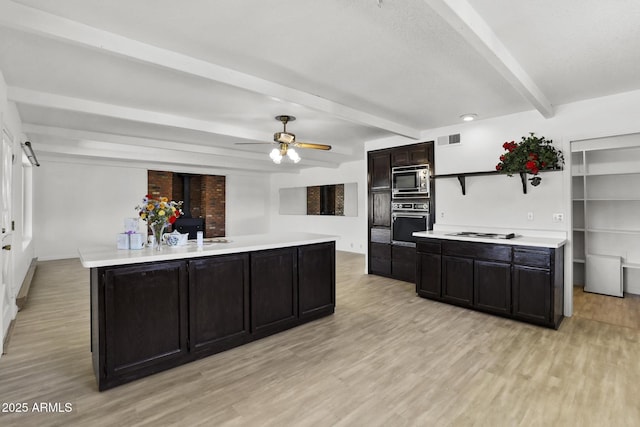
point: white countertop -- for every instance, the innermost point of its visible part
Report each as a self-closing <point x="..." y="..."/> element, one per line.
<point x="108" y="255"/>
<point x="519" y="240"/>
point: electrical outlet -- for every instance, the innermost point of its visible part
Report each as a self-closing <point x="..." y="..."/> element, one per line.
<point x="558" y="217"/>
<point x="441" y="214"/>
<point x="529" y="216"/>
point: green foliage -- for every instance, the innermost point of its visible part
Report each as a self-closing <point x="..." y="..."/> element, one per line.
<point x="531" y="155"/>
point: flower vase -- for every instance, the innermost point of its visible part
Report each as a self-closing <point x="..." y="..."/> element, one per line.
<point x="158" y="230"/>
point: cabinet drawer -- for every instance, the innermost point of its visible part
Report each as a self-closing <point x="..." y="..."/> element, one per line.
<point x="429" y="246"/>
<point x="534" y="257"/>
<point x="381" y="235"/>
<point x="477" y="250"/>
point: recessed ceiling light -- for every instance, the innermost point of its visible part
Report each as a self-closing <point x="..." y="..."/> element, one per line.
<point x="468" y="117"/>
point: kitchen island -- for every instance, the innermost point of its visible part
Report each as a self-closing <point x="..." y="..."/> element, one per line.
<point x="520" y="277"/>
<point x="153" y="310"/>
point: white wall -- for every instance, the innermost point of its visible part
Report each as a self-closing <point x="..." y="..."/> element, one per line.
<point x="84" y="204"/>
<point x="352" y="231"/>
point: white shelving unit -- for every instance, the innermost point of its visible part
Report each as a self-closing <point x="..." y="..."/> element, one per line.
<point x="606" y="214"/>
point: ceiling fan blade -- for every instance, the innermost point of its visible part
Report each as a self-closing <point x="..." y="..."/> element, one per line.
<point x="252" y="143"/>
<point x="311" y="145"/>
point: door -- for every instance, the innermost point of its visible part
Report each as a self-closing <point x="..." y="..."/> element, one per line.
<point x="316" y="280"/>
<point x="492" y="286"/>
<point x="274" y="291"/>
<point x="7" y="293"/>
<point x="218" y="303"/>
<point x="457" y="278"/>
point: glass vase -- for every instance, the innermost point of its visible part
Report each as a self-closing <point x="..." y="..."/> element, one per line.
<point x="158" y="230"/>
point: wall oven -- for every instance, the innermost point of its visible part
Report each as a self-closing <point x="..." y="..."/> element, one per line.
<point x="410" y="181"/>
<point x="406" y="218"/>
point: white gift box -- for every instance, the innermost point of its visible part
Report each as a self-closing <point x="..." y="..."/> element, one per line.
<point x="136" y="241"/>
<point x="123" y="241"/>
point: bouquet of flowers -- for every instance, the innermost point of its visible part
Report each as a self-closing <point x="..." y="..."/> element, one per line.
<point x="159" y="211"/>
<point x="531" y="155"/>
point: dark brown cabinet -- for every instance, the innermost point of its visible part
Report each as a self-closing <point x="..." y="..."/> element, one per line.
<point x="385" y="258"/>
<point x="219" y="300"/>
<point x="380" y="209"/>
<point x="457" y="280"/>
<point x="519" y="282"/>
<point x="538" y="286"/>
<point x="274" y="290"/>
<point x="380" y="170"/>
<point x="147" y="309"/>
<point x="316" y="264"/>
<point x="380" y="258"/>
<point x="415" y="154"/>
<point x="403" y="263"/>
<point x="146" y="318"/>
<point x="492" y="286"/>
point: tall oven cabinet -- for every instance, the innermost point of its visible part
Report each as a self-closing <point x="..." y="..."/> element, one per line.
<point x="384" y="257"/>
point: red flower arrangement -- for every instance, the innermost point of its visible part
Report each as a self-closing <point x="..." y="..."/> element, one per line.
<point x="531" y="155"/>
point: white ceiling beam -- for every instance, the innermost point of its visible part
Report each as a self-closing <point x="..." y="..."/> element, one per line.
<point x="79" y="105"/>
<point x="45" y="24"/>
<point x="141" y="155"/>
<point x="474" y="29"/>
<point x="81" y="135"/>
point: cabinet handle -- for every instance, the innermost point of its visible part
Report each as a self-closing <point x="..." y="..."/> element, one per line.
<point x="7" y="247"/>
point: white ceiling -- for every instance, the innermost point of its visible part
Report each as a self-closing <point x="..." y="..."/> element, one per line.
<point x="181" y="83"/>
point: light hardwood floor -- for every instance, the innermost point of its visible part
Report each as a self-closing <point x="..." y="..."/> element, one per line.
<point x="385" y="358"/>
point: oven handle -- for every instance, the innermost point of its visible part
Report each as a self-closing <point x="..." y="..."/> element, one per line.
<point x="394" y="215"/>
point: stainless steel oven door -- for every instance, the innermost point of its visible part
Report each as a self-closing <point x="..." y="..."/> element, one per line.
<point x="404" y="224"/>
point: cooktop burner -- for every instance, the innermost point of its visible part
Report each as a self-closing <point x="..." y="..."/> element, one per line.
<point x="483" y="235"/>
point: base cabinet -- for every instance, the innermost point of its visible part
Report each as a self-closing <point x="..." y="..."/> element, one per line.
<point x="492" y="286"/>
<point x="219" y="302"/>
<point x="457" y="280"/>
<point x="274" y="290"/>
<point x="519" y="282"/>
<point x="316" y="280"/>
<point x="146" y="309"/>
<point x="146" y="318"/>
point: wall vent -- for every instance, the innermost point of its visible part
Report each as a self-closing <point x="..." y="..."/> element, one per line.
<point x="449" y="140"/>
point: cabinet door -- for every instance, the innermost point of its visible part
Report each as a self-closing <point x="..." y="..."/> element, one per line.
<point x="380" y="170"/>
<point x="418" y="154"/>
<point x="316" y="280"/>
<point x="403" y="263"/>
<point x="274" y="290"/>
<point x="457" y="275"/>
<point x="218" y="303"/>
<point x="492" y="286"/>
<point x="428" y="280"/>
<point x="532" y="294"/>
<point x="380" y="258"/>
<point x="146" y="314"/>
<point x="380" y="206"/>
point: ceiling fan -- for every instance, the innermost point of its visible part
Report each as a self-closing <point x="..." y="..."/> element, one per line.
<point x="287" y="141"/>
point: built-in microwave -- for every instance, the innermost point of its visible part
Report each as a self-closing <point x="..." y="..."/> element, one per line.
<point x="410" y="181"/>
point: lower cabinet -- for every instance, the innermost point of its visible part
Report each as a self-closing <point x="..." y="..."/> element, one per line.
<point x="403" y="263"/>
<point x="492" y="286"/>
<point x="150" y="317"/>
<point x="219" y="318"/>
<point x="457" y="280"/>
<point x="274" y="290"/>
<point x="316" y="280"/>
<point x="524" y="283"/>
<point x="146" y="309"/>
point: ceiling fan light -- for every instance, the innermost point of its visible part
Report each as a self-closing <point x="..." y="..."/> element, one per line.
<point x="275" y="156"/>
<point x="293" y="155"/>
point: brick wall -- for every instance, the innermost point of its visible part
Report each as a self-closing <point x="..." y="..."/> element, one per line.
<point x="213" y="196"/>
<point x="207" y="197"/>
<point x="340" y="199"/>
<point x="313" y="200"/>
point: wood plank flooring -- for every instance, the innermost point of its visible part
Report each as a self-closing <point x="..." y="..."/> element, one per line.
<point x="386" y="358"/>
